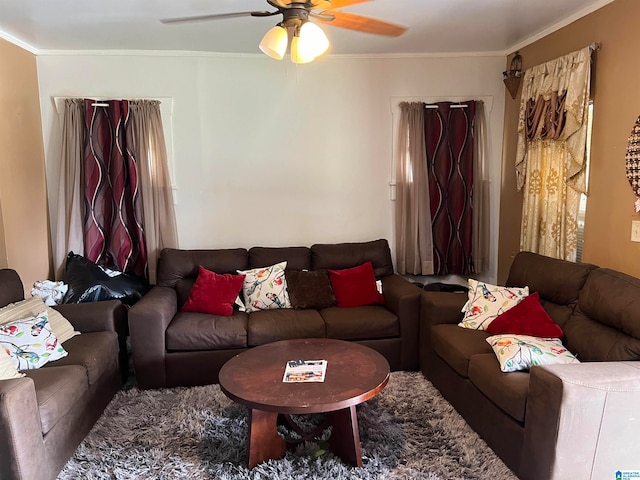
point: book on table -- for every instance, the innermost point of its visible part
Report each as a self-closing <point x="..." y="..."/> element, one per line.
<point x="298" y="371"/>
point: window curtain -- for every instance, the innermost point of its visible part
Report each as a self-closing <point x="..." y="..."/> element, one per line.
<point x="441" y="171"/>
<point x="449" y="139"/>
<point x="69" y="221"/>
<point x="414" y="249"/>
<point x="115" y="199"/>
<point x="113" y="221"/>
<point x="481" y="194"/>
<point x="552" y="130"/>
<point x="151" y="153"/>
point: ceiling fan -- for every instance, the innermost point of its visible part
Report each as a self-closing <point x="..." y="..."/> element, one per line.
<point x="307" y="39"/>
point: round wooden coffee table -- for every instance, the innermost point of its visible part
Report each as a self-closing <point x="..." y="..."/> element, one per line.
<point x="354" y="374"/>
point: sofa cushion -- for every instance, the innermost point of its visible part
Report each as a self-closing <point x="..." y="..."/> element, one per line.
<point x="606" y="323"/>
<point x="268" y="326"/>
<point x="557" y="281"/>
<point x="297" y="258"/>
<point x="95" y="351"/>
<point x="526" y="318"/>
<point x="507" y="390"/>
<point x="57" y="391"/>
<point x="456" y="345"/>
<point x="360" y="323"/>
<point x="310" y="289"/>
<point x="190" y="331"/>
<point x="12" y="289"/>
<point x="338" y="256"/>
<point x="265" y="288"/>
<point x="175" y="265"/>
<point x="214" y="293"/>
<point x="355" y="286"/>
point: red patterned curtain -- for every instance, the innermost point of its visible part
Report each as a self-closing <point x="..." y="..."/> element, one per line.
<point x="113" y="223"/>
<point x="449" y="138"/>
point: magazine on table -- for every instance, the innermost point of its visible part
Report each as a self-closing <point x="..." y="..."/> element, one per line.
<point x="305" y="371"/>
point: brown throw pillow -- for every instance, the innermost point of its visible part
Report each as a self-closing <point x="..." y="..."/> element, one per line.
<point x="310" y="289"/>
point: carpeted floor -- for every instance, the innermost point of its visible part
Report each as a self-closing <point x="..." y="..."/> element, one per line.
<point x="407" y="432"/>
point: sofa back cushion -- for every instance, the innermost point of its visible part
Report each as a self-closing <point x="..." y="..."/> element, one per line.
<point x="297" y="258"/>
<point x="606" y="323"/>
<point x="558" y="282"/>
<point x="338" y="256"/>
<point x="11" y="289"/>
<point x="179" y="268"/>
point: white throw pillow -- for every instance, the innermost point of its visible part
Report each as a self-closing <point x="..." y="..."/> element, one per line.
<point x="32" y="306"/>
<point x="265" y="288"/>
<point x="487" y="301"/>
<point x="30" y="342"/>
<point x="521" y="352"/>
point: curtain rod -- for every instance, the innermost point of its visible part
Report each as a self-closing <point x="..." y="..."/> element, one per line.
<point x="452" y="106"/>
<point x="594" y="46"/>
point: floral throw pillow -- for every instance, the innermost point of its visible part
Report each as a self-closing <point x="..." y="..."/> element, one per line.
<point x="265" y="288"/>
<point x="487" y="301"/>
<point x="30" y="342"/>
<point x="32" y="306"/>
<point x="521" y="352"/>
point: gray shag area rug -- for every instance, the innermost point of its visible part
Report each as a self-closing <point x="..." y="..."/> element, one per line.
<point x="407" y="432"/>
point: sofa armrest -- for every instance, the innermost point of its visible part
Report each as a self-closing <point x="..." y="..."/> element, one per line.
<point x="108" y="315"/>
<point x="21" y="432"/>
<point x="582" y="421"/>
<point x="436" y="308"/>
<point x="403" y="299"/>
<point x="441" y="307"/>
<point x="148" y="321"/>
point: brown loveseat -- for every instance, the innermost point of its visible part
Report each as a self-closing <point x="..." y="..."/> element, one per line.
<point x="45" y="415"/>
<point x="171" y="348"/>
<point x="553" y="422"/>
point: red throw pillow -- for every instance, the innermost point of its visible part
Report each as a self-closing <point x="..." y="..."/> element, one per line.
<point x="526" y="318"/>
<point x="213" y="293"/>
<point x="354" y="287"/>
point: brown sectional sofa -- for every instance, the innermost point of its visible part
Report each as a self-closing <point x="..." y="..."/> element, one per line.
<point x="553" y="422"/>
<point x="171" y="348"/>
<point x="45" y="415"/>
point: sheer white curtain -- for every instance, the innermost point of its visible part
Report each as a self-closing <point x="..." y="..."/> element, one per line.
<point x="157" y="195"/>
<point x="413" y="235"/>
<point x="481" y="216"/>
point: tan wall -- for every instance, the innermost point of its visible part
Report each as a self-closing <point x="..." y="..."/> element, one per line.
<point x="3" y="246"/>
<point x="616" y="96"/>
<point x="24" y="238"/>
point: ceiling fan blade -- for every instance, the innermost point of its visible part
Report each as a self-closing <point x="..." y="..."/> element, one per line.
<point x="331" y="4"/>
<point x="362" y="24"/>
<point x="216" y="16"/>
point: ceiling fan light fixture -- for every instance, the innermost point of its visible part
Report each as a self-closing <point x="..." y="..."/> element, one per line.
<point x="300" y="55"/>
<point x="313" y="40"/>
<point x="274" y="42"/>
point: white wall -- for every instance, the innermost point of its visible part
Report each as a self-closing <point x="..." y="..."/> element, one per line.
<point x="276" y="154"/>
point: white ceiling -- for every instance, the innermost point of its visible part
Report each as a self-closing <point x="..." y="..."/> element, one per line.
<point x="435" y="26"/>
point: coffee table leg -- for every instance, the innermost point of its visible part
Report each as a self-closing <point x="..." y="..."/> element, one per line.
<point x="263" y="441"/>
<point x="345" y="438"/>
